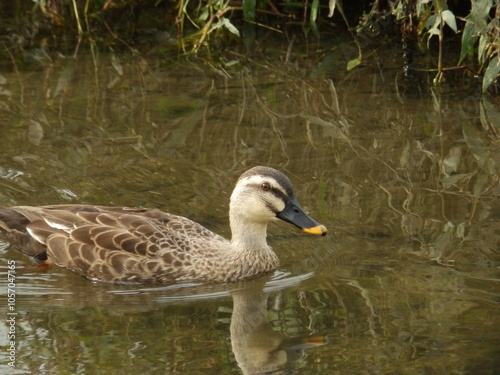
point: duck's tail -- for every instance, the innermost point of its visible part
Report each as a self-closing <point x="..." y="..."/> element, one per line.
<point x="13" y="225"/>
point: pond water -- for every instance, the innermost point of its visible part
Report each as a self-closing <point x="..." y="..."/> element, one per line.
<point x="405" y="177"/>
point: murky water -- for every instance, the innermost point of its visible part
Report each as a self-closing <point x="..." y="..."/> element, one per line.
<point x="404" y="176"/>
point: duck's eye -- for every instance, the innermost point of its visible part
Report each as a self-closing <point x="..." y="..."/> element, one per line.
<point x="265" y="186"/>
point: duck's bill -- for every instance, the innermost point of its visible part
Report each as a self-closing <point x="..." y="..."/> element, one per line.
<point x="319" y="230"/>
<point x="294" y="214"/>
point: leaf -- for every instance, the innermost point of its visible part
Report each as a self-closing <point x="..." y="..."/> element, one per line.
<point x="314" y="16"/>
<point x="481" y="179"/>
<point x="330" y="130"/>
<point x="230" y="26"/>
<point x="451" y="162"/>
<point x="64" y="80"/>
<point x="491" y="72"/>
<point x="4" y="92"/>
<point x="421" y="6"/>
<point x="475" y="26"/>
<point x="116" y="64"/>
<point x="477" y="146"/>
<point x="249" y="11"/>
<point x="404" y="160"/>
<point x="480" y="9"/>
<point x="231" y="63"/>
<point x="489" y="115"/>
<point x="449" y="19"/>
<point x="453" y="180"/>
<point x="335" y="99"/>
<point x="460" y="231"/>
<point x="484" y="41"/>
<point x="35" y="132"/>
<point x="435" y="31"/>
<point x="331" y="7"/>
<point x="353" y="63"/>
<point x="469" y="37"/>
<point x="204" y="15"/>
<point x="432" y="21"/>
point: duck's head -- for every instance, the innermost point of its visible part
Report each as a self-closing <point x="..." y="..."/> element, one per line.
<point x="264" y="194"/>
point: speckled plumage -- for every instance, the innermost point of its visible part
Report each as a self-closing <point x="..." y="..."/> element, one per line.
<point x="121" y="244"/>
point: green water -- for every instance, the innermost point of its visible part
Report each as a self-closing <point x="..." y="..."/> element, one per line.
<point x="406" y="180"/>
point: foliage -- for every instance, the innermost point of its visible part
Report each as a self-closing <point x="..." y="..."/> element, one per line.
<point x="477" y="28"/>
<point x="214" y="16"/>
<point x="433" y="17"/>
<point x="205" y="24"/>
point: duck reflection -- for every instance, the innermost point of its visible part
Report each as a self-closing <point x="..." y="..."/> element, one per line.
<point x="259" y="349"/>
<point x="57" y="307"/>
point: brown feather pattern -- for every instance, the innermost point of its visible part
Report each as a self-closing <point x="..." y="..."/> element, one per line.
<point x="123" y="244"/>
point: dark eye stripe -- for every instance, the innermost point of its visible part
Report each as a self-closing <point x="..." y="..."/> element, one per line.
<point x="274" y="191"/>
<point x="278" y="193"/>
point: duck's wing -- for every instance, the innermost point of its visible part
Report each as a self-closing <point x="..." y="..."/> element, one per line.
<point x="13" y="224"/>
<point x="115" y="243"/>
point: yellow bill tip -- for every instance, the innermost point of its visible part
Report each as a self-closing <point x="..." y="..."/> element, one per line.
<point x="317" y="230"/>
<point x="315" y="340"/>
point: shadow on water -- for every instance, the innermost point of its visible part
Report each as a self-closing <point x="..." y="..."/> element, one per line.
<point x="406" y="179"/>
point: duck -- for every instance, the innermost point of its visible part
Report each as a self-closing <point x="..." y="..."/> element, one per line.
<point x="147" y="245"/>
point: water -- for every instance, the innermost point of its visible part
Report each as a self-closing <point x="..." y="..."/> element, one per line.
<point x="405" y="177"/>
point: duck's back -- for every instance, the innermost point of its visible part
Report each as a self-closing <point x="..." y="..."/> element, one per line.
<point x="112" y="243"/>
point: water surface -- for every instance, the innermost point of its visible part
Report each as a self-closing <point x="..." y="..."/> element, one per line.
<point x="405" y="176"/>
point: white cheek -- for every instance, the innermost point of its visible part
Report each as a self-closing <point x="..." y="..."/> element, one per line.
<point x="256" y="208"/>
<point x="279" y="204"/>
